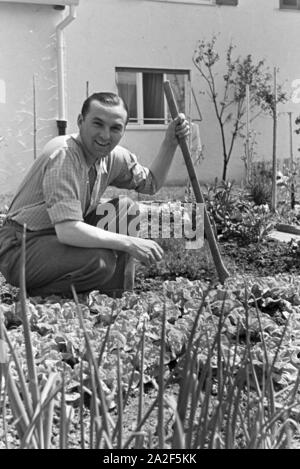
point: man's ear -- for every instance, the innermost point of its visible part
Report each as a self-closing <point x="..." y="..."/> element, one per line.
<point x="79" y="120"/>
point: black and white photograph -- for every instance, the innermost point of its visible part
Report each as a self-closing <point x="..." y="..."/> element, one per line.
<point x="149" y="227"/>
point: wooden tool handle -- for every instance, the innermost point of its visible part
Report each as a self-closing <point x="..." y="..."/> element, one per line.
<point x="221" y="269"/>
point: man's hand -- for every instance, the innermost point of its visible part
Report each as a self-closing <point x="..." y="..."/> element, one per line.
<point x="145" y="250"/>
<point x="177" y="129"/>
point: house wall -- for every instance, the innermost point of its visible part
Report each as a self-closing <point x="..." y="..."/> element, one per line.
<point x="136" y="33"/>
<point x="27" y="38"/>
<point x="144" y="33"/>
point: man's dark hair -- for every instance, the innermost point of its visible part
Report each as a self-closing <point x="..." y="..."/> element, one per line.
<point x="106" y="98"/>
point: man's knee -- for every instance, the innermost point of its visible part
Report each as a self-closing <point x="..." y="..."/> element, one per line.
<point x="98" y="269"/>
<point x="106" y="264"/>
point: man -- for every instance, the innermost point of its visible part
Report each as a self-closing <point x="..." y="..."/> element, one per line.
<point x="58" y="201"/>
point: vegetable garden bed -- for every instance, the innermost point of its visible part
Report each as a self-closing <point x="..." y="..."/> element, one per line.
<point x="245" y="352"/>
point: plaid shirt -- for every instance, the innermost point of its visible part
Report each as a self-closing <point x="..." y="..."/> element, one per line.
<point x="56" y="187"/>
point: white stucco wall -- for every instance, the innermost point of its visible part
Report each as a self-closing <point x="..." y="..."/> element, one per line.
<point x="143" y="33"/>
<point x="27" y="48"/>
<point x="132" y="33"/>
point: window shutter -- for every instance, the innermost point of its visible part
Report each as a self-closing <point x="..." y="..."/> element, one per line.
<point x="227" y="2"/>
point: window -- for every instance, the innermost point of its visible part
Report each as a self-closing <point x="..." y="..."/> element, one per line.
<point x="45" y="2"/>
<point x="142" y="90"/>
<point x="290" y="4"/>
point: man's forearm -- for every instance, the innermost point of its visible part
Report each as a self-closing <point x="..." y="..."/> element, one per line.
<point x="80" y="234"/>
<point x="161" y="165"/>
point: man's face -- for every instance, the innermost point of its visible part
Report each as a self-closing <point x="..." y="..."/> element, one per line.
<point x="101" y="129"/>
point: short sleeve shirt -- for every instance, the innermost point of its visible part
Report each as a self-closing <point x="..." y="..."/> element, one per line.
<point x="56" y="188"/>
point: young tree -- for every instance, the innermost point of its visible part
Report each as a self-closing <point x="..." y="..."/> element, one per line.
<point x="268" y="95"/>
<point x="230" y="103"/>
<point x="297" y="131"/>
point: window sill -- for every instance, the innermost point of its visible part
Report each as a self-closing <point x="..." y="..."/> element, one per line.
<point x="289" y="10"/>
<point x="146" y="127"/>
<point x="190" y="2"/>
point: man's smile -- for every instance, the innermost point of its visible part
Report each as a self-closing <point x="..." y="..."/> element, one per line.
<point x="102" y="145"/>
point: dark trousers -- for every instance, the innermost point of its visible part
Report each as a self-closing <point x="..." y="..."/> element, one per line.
<point x="52" y="267"/>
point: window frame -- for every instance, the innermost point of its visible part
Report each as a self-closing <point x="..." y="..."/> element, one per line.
<point x="231" y="3"/>
<point x="282" y="6"/>
<point x="140" y="97"/>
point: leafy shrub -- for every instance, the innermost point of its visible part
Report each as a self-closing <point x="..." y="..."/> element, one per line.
<point x="255" y="223"/>
<point x="233" y="216"/>
<point x="219" y="199"/>
<point x="260" y="186"/>
<point x="293" y="248"/>
<point x="179" y="262"/>
<point x="287" y="183"/>
<point x="221" y="204"/>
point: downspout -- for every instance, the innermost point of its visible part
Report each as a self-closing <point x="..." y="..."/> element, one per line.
<point x="62" y="121"/>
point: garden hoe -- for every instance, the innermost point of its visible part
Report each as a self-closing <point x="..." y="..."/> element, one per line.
<point x="221" y="269"/>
